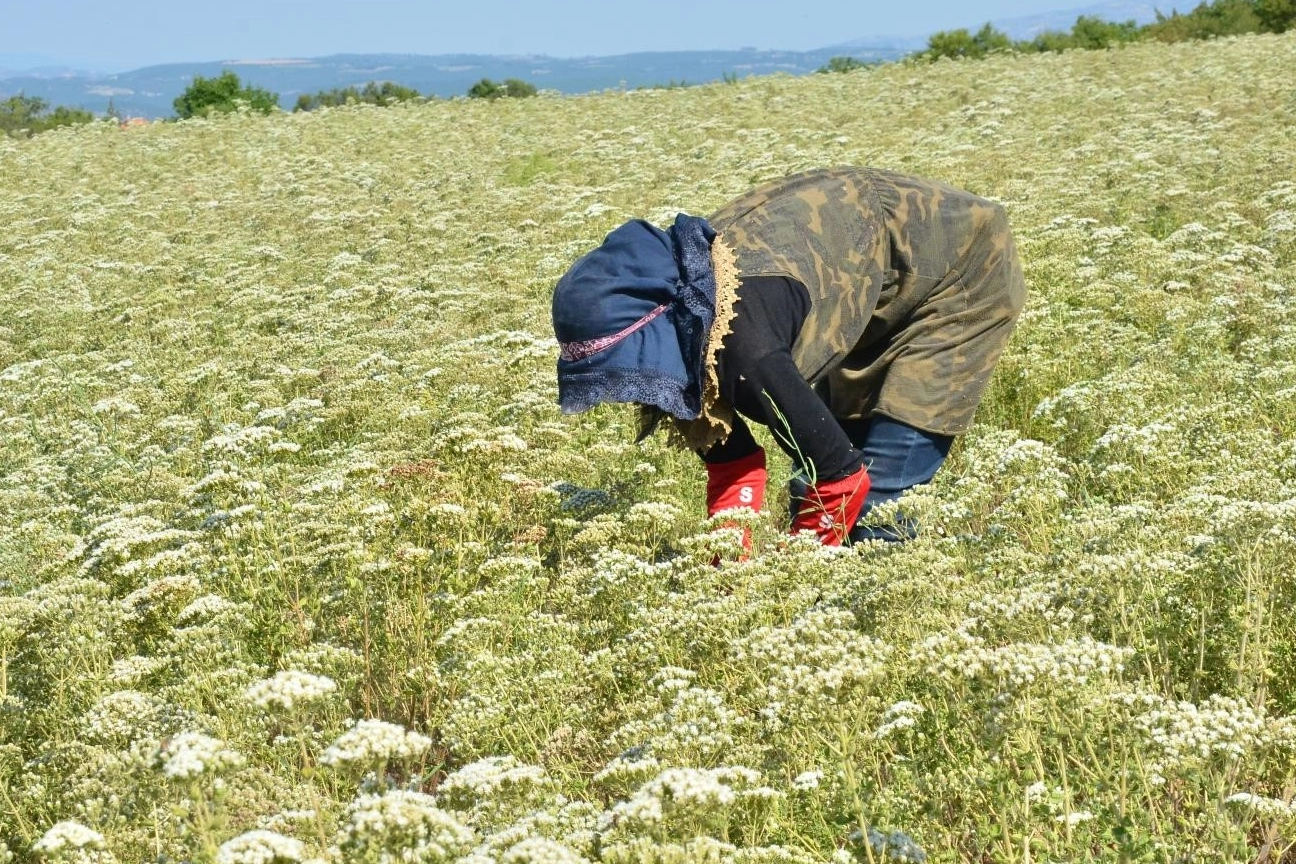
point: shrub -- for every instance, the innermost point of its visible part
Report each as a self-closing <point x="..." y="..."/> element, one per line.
<point x="511" y="87"/>
<point x="373" y="93"/>
<point x="28" y="115"/>
<point x="222" y="95"/>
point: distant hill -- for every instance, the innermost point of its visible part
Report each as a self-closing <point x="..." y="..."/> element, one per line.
<point x="15" y="64"/>
<point x="148" y="92"/>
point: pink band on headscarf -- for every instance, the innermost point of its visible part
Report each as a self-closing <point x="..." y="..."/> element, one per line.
<point x="590" y="347"/>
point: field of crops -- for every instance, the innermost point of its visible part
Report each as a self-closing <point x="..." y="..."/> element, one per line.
<point x="300" y="562"/>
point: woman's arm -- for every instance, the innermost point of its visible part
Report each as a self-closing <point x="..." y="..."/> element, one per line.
<point x="760" y="380"/>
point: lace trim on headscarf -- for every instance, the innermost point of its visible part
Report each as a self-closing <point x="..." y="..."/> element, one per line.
<point x="644" y="387"/>
<point x="714" y="422"/>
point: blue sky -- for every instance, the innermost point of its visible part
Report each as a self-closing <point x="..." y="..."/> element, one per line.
<point x="119" y="35"/>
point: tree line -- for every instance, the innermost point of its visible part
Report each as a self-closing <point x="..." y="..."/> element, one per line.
<point x="1207" y="20"/>
<point x="23" y="115"/>
<point x="225" y="93"/>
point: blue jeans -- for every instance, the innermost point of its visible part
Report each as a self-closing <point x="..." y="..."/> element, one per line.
<point x="898" y="457"/>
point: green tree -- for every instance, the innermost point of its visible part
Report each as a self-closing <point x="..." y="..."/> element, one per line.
<point x="483" y="89"/>
<point x="29" y="115"/>
<point x="513" y="88"/>
<point x="842" y="64"/>
<point x="1049" y="40"/>
<point x="989" y="40"/>
<point x="388" y="93"/>
<point x="1092" y="32"/>
<point x="1208" y="20"/>
<point x="961" y="43"/>
<point x="65" y="116"/>
<point x="1089" y="31"/>
<point x="18" y="113"/>
<point x="373" y="93"/>
<point x="221" y="95"/>
<point x="949" y="43"/>
<point x="1276" y="16"/>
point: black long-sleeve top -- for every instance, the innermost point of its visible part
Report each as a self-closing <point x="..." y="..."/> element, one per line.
<point x="760" y="380"/>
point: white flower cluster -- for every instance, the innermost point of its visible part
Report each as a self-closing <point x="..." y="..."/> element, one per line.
<point x="289" y="688"/>
<point x="323" y="658"/>
<point x="15" y="618"/>
<point x="299" y="411"/>
<point x="130" y="670"/>
<point x="288" y="819"/>
<point x="812" y="667"/>
<point x="402" y="826"/>
<point x="695" y="722"/>
<point x="807" y="780"/>
<point x="1044" y="601"/>
<point x="191" y="754"/>
<point x="225" y="477"/>
<point x="616" y="570"/>
<point x="652" y="514"/>
<point x="693" y="793"/>
<point x="1033" y="471"/>
<point x="1073" y="662"/>
<point x="115" y="407"/>
<point x="168" y="591"/>
<point x="473" y="439"/>
<point x="241" y="441"/>
<point x="1149" y="441"/>
<point x="698" y="790"/>
<point x="165" y="562"/>
<point x="116" y="539"/>
<point x="631" y="768"/>
<point x="540" y="850"/>
<point x="121" y="716"/>
<point x="1056" y="802"/>
<point x="261" y="847"/>
<point x="574" y="824"/>
<point x="1269" y="808"/>
<point x="1183" y="734"/>
<point x="1140" y="564"/>
<point x="233" y="521"/>
<point x="491" y="778"/>
<point x="1282" y="733"/>
<point x="700" y="848"/>
<point x="1073" y="818"/>
<point x="370" y="741"/>
<point x="901" y="715"/>
<point x="205" y="608"/>
<point x="513" y="573"/>
<point x="73" y="843"/>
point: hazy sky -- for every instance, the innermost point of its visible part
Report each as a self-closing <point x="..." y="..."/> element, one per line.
<point x="118" y="35"/>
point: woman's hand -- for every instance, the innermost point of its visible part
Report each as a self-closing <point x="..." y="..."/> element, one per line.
<point x="831" y="509"/>
<point x="740" y="483"/>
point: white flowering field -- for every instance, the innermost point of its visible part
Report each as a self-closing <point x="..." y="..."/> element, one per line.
<point x="300" y="562"/>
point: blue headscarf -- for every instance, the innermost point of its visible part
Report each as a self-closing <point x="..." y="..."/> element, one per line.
<point x="632" y="318"/>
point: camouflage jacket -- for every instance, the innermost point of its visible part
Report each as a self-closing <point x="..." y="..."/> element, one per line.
<point x="914" y="287"/>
